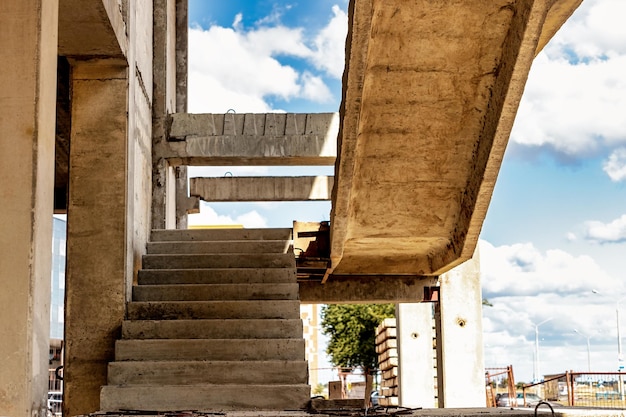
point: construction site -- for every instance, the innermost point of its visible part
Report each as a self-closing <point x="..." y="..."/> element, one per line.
<point x="163" y="319"/>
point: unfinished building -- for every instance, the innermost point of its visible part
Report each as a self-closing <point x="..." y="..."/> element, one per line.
<point x="94" y="124"/>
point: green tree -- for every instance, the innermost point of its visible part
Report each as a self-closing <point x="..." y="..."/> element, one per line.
<point x="352" y="333"/>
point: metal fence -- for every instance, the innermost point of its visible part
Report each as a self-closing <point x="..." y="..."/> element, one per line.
<point x="55" y="391"/>
<point x="583" y="389"/>
<point x="499" y="381"/>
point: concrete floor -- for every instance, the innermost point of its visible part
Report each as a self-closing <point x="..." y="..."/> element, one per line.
<point x="437" y="412"/>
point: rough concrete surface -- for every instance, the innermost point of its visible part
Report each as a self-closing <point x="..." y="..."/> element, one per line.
<point x="429" y="100"/>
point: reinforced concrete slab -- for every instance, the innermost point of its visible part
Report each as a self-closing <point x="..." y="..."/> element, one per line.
<point x="430" y="94"/>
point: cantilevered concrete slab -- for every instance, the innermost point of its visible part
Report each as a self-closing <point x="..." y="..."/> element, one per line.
<point x="430" y="93"/>
<point x="252" y="139"/>
<point x="262" y="188"/>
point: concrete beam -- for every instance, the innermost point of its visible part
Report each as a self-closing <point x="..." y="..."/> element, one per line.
<point x="365" y="289"/>
<point x="92" y="28"/>
<point x="262" y="188"/>
<point x="252" y="139"/>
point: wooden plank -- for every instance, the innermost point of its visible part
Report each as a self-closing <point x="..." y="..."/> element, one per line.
<point x="389" y="353"/>
<point x="388" y="333"/>
<point x="388" y="364"/>
<point x="386" y="344"/>
<point x="390" y="373"/>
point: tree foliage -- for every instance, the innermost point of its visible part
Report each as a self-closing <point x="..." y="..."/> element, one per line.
<point x="352" y="333"/>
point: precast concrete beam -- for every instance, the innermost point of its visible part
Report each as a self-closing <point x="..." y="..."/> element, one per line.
<point x="252" y="139"/>
<point x="365" y="289"/>
<point x="262" y="188"/>
<point x="429" y="101"/>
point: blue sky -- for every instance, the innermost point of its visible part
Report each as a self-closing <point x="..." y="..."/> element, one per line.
<point x="556" y="227"/>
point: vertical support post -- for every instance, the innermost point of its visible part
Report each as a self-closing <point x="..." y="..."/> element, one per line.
<point x="416" y="370"/>
<point x="182" y="178"/>
<point x="460" y="365"/>
<point x="28" y="52"/>
<point x="164" y="104"/>
<point x="96" y="230"/>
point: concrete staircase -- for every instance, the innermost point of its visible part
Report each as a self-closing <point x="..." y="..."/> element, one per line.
<point x="214" y="325"/>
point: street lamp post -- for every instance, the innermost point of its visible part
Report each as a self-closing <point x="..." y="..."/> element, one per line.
<point x="537" y="374"/>
<point x="588" y="350"/>
<point x="620" y="356"/>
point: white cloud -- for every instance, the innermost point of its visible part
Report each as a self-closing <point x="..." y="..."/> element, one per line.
<point x="528" y="286"/>
<point x="613" y="232"/>
<point x="209" y="217"/>
<point x="615" y="165"/>
<point x="330" y="44"/>
<point x="576" y="92"/>
<point x="522" y="269"/>
<point x="571" y="237"/>
<point x="239" y="68"/>
<point x="574" y="109"/>
<point x="595" y="30"/>
<point x="314" y="88"/>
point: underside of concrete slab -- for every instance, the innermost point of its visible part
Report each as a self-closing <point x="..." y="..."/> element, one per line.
<point x="430" y="94"/>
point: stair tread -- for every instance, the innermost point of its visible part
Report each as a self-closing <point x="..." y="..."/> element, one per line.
<point x="212" y="329"/>
<point x="205" y="397"/>
<point x="218" y="260"/>
<point x="173" y="310"/>
<point x="244" y="349"/>
<point x="221" y="234"/>
<point x="216" y="276"/>
<point x="212" y="292"/>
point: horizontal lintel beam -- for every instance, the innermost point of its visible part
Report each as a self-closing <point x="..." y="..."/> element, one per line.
<point x="366" y="289"/>
<point x="262" y="188"/>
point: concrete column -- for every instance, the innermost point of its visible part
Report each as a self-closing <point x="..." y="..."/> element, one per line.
<point x="164" y="104"/>
<point x="416" y="364"/>
<point x="458" y="318"/>
<point x="96" y="229"/>
<point x="28" y="49"/>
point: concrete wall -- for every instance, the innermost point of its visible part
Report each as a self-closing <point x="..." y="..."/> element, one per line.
<point x="28" y="48"/>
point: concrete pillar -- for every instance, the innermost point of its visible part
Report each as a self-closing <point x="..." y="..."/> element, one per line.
<point x="416" y="363"/>
<point x="164" y="103"/>
<point x="96" y="229"/>
<point x="458" y="318"/>
<point x="28" y="49"/>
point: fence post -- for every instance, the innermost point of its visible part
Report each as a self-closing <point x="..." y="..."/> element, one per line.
<point x="511" y="387"/>
<point x="570" y="388"/>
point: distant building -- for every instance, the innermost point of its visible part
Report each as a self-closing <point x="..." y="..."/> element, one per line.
<point x="57" y="295"/>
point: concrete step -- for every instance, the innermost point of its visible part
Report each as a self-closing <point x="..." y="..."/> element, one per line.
<point x="226" y="260"/>
<point x="207" y="372"/>
<point x="216" y="276"/>
<point x="172" y="310"/>
<point x="201" y="292"/>
<point x="213" y="329"/>
<point x="221" y="234"/>
<point x="218" y="246"/>
<point x="214" y="349"/>
<point x="204" y="397"/>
